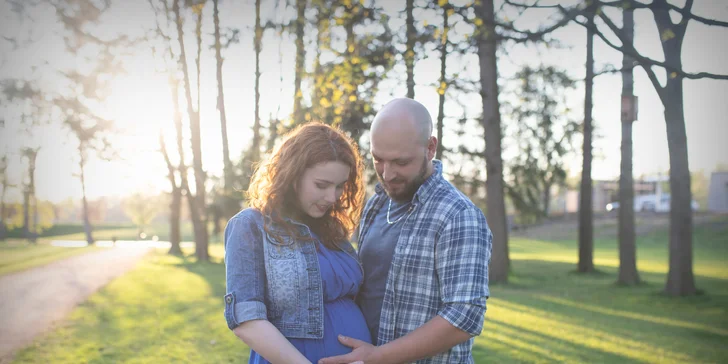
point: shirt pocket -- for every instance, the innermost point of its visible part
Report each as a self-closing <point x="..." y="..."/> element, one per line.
<point x="282" y="247"/>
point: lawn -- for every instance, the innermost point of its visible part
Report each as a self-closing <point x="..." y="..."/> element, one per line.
<point x="122" y="232"/>
<point x="16" y="255"/>
<point x="169" y="309"/>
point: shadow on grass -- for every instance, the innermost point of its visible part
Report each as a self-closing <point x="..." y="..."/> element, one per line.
<point x="563" y="312"/>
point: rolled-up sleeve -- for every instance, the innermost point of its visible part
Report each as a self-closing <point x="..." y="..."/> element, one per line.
<point x="462" y="256"/>
<point x="244" y="271"/>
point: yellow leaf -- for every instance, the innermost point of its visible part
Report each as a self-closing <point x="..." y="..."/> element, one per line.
<point x="351" y="48"/>
<point x="478" y="22"/>
<point x="352" y="98"/>
<point x="441" y="3"/>
<point x="673" y="74"/>
<point x="667" y="35"/>
<point x="425" y="23"/>
<point x="450" y="12"/>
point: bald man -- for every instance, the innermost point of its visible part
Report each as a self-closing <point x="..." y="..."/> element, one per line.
<point x="425" y="248"/>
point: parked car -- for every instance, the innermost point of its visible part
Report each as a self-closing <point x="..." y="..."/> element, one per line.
<point x="647" y="203"/>
<point x="613" y="206"/>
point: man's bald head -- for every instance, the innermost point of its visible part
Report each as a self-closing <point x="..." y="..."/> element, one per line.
<point x="406" y="116"/>
<point x="402" y="147"/>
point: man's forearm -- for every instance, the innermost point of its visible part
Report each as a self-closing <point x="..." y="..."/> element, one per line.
<point x="430" y="339"/>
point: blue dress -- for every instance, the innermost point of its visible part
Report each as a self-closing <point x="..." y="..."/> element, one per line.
<point x="341" y="275"/>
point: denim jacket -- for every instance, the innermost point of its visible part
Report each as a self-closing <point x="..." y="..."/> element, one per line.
<point x="272" y="280"/>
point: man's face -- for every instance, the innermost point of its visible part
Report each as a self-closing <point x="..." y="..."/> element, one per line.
<point x="401" y="164"/>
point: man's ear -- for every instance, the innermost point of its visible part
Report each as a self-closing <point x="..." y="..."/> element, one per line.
<point x="431" y="147"/>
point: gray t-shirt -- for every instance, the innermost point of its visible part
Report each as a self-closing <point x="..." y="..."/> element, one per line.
<point x="377" y="251"/>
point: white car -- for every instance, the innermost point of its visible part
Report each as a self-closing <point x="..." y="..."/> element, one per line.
<point x="647" y="203"/>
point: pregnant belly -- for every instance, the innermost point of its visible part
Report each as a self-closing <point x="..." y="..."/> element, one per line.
<point x="343" y="317"/>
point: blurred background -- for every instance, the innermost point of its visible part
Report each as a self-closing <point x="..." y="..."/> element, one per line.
<point x="591" y="133"/>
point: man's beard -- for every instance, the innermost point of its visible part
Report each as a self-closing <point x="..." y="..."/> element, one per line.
<point x="410" y="188"/>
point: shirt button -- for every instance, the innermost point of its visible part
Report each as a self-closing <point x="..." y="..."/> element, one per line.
<point x="228" y="299"/>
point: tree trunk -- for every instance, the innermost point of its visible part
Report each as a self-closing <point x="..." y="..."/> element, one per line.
<point x="628" y="274"/>
<point x="680" y="279"/>
<point x="197" y="201"/>
<point x="546" y="199"/>
<point x="409" y="54"/>
<point x="26" y="214"/>
<point x="86" y="220"/>
<point x="176" y="205"/>
<point x="3" y="227"/>
<point x="227" y="166"/>
<point x="495" y="204"/>
<point x="3" y="173"/>
<point x="300" y="65"/>
<point x="586" y="208"/>
<point x="442" y="88"/>
<point x="33" y="198"/>
<point x="175" y="235"/>
<point x="254" y="155"/>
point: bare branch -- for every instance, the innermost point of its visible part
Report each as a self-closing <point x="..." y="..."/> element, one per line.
<point x="642" y="60"/>
<point x="531" y="6"/>
<point x="684" y="12"/>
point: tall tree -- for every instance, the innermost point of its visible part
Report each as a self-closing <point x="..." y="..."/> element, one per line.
<point x="227" y="165"/>
<point x="491" y="119"/>
<point x="300" y="71"/>
<point x="409" y="54"/>
<point x="447" y="11"/>
<point x="258" y="45"/>
<point x="586" y="209"/>
<point x="177" y="175"/>
<point x="543" y="134"/>
<point x="197" y="212"/>
<point x="680" y="278"/>
<point x="628" y="274"/>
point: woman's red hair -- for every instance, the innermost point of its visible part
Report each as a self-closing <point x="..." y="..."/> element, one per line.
<point x="271" y="188"/>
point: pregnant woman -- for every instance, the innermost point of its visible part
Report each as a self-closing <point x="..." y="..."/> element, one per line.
<point x="291" y="273"/>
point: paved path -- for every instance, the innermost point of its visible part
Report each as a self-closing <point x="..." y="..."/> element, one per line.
<point x="32" y="300"/>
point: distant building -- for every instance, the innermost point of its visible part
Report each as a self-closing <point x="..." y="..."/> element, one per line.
<point x="603" y="193"/>
<point x="718" y="193"/>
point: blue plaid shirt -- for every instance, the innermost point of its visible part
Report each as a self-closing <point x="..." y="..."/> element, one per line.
<point x="440" y="265"/>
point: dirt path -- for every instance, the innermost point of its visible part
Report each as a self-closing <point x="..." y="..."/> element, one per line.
<point x="31" y="301"/>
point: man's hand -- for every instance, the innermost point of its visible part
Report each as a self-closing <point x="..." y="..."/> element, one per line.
<point x="363" y="353"/>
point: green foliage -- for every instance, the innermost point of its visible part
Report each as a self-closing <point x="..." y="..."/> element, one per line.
<point x="541" y="131"/>
<point x="344" y="87"/>
<point x="14" y="217"/>
<point x="141" y="209"/>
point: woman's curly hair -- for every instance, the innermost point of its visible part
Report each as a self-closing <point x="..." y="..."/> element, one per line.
<point x="271" y="188"/>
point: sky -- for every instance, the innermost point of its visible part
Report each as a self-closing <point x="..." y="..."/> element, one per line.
<point x="140" y="101"/>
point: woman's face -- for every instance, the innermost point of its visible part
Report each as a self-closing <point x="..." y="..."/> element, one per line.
<point x="320" y="187"/>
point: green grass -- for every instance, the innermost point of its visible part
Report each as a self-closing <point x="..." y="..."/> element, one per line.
<point x="17" y="255"/>
<point x="125" y="232"/>
<point x="169" y="309"/>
